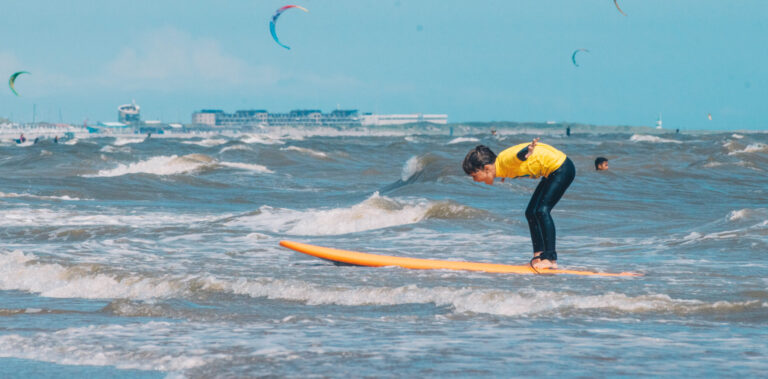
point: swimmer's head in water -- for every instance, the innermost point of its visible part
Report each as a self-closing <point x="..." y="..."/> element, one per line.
<point x="601" y="164"/>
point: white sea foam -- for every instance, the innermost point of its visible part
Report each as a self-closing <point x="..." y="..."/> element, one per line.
<point x="737" y="136"/>
<point x="160" y="165"/>
<point x="303" y="150"/>
<point x="27" y="195"/>
<point x="115" y="149"/>
<point x="412" y="166"/>
<point x="262" y="139"/>
<point x="235" y="147"/>
<point x="19" y="271"/>
<point x="752" y="148"/>
<point x="247" y="166"/>
<point x="120" y="141"/>
<point x="173" y="165"/>
<point x="737" y="215"/>
<point x="463" y="139"/>
<point x="207" y="142"/>
<point x="375" y="212"/>
<point x="490" y="301"/>
<point x="744" y="215"/>
<point x="157" y="346"/>
<point x="23" y="272"/>
<point x="648" y="138"/>
<point x="73" y="141"/>
<point x="66" y="217"/>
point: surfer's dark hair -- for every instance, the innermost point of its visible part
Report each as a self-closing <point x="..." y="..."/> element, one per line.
<point x="477" y="158"/>
<point x="600" y="161"/>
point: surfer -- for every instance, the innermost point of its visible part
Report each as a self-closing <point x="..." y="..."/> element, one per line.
<point x="601" y="164"/>
<point x="533" y="160"/>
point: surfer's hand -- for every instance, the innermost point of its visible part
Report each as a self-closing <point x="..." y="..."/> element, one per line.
<point x="531" y="147"/>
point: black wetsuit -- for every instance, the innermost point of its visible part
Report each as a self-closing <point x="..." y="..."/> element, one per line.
<point x="547" y="194"/>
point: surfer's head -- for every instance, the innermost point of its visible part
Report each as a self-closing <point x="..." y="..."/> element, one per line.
<point x="479" y="164"/>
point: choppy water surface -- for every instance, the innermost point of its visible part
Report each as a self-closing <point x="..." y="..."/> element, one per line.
<point x="133" y="258"/>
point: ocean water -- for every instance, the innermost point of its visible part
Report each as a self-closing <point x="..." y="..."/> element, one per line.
<point x="126" y="257"/>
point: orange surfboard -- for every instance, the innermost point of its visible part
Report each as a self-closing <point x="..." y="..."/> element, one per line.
<point x="377" y="260"/>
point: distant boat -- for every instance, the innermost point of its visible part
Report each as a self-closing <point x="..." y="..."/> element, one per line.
<point x="658" y="122"/>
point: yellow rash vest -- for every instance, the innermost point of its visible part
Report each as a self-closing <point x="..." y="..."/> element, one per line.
<point x="544" y="160"/>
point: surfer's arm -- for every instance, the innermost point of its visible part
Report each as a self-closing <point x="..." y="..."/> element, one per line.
<point x="523" y="154"/>
<point x="528" y="150"/>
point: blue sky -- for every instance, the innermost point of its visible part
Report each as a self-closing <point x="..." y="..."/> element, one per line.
<point x="474" y="60"/>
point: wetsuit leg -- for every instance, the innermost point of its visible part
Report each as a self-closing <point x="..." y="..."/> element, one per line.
<point x="537" y="238"/>
<point x="546" y="196"/>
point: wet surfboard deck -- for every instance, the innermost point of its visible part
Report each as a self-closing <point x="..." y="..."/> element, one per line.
<point x="376" y="260"/>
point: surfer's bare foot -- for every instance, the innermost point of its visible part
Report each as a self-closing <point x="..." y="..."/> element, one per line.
<point x="543" y="263"/>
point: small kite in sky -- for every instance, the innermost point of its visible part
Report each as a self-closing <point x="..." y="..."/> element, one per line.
<point x="709" y="116"/>
<point x="12" y="81"/>
<point x="573" y="57"/>
<point x="274" y="21"/>
<point x="615" y="2"/>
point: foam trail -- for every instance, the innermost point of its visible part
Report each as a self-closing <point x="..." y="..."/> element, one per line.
<point x="462" y="140"/>
<point x="207" y="142"/>
<point x="125" y="141"/>
<point x="27" y="195"/>
<point x="752" y="148"/>
<point x="262" y="139"/>
<point x="647" y="138"/>
<point x="61" y="216"/>
<point x="314" y="153"/>
<point x="247" y="166"/>
<point x="490" y="301"/>
<point x="235" y="147"/>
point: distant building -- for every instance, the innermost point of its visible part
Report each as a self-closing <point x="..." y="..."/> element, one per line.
<point x="205" y="117"/>
<point x="296" y="117"/>
<point x="369" y="119"/>
<point x="128" y="113"/>
<point x="241" y="118"/>
<point x="308" y="117"/>
<point x="245" y="118"/>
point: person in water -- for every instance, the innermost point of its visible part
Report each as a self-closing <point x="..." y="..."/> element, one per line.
<point x="533" y="160"/>
<point x="601" y="164"/>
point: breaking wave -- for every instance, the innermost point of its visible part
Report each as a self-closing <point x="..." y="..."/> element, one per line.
<point x="376" y="212"/>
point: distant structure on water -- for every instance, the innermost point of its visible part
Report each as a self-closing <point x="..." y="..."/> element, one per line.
<point x="309" y="117"/>
<point x="129" y="113"/>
